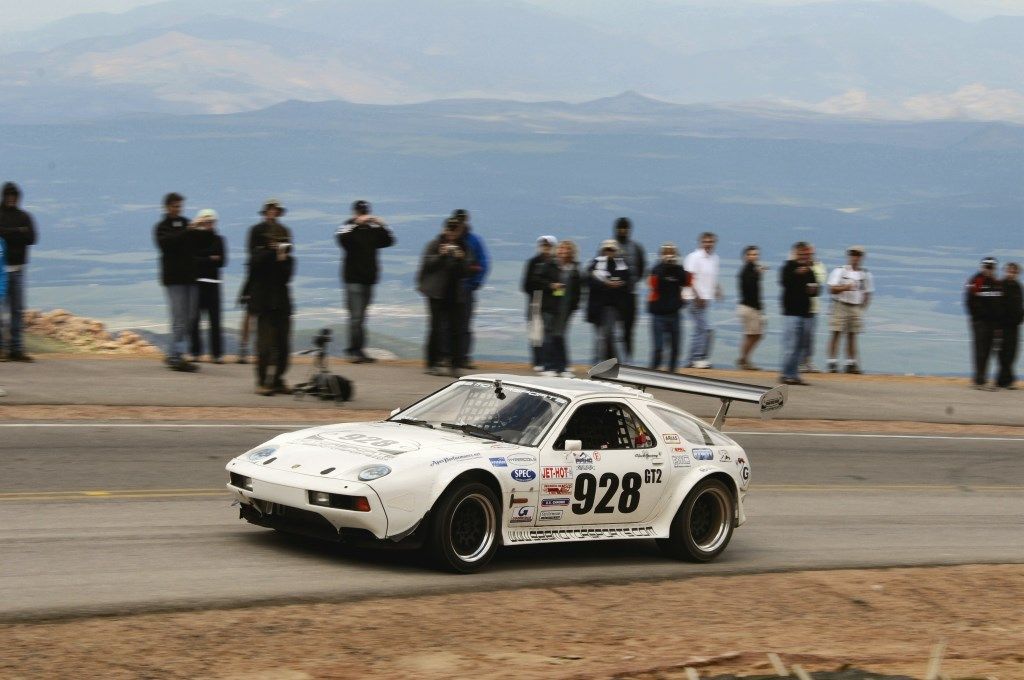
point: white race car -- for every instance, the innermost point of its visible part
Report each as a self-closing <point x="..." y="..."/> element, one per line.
<point x="506" y="459"/>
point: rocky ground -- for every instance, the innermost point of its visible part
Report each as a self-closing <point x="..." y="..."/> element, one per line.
<point x="61" y="330"/>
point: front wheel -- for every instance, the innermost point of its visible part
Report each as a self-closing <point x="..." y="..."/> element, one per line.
<point x="702" y="527"/>
<point x="463" y="535"/>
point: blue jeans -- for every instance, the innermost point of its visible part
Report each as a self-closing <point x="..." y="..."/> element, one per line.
<point x="554" y="350"/>
<point x="357" y="297"/>
<point x="183" y="300"/>
<point x="608" y="337"/>
<point x="16" y="304"/>
<point x="807" y="347"/>
<point x="666" y="327"/>
<point x="795" y="330"/>
<point x="700" y="341"/>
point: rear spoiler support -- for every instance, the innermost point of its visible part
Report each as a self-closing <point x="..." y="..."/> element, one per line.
<point x="769" y="399"/>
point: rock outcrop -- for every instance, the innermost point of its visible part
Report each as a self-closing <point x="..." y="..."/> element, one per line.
<point x="85" y="335"/>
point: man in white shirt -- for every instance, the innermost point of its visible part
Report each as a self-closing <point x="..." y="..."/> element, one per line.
<point x="702" y="265"/>
<point x="851" y="287"/>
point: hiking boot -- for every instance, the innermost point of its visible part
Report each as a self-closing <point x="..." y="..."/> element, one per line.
<point x="833" y="366"/>
<point x="282" y="388"/>
<point x="183" y="366"/>
<point x="852" y="367"/>
<point x="20" y="356"/>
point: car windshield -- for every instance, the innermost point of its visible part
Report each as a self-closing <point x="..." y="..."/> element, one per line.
<point x="489" y="410"/>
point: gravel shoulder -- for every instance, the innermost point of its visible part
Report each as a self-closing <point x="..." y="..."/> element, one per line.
<point x="886" y="621"/>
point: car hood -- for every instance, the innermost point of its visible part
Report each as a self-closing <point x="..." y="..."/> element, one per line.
<point x="342" y="451"/>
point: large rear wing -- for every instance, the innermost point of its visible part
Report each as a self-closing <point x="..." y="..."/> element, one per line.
<point x="769" y="399"/>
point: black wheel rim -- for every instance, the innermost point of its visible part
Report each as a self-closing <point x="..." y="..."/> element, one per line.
<point x="473" y="527"/>
<point x="709" y="519"/>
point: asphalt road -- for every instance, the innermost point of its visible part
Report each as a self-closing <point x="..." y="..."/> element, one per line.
<point x="100" y="519"/>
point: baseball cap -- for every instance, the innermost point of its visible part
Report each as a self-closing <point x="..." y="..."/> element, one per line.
<point x="362" y="207"/>
<point x="989" y="262"/>
<point x="206" y="214"/>
<point x="610" y="243"/>
<point x="547" y="239"/>
<point x="856" y="250"/>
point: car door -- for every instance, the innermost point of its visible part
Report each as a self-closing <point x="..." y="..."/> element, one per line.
<point x="617" y="476"/>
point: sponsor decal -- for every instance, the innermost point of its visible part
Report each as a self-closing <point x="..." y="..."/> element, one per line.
<point x="454" y="459"/>
<point x="680" y="460"/>
<point x="338" y="442"/>
<point x="556" y="472"/>
<point x="498" y="462"/>
<point x="745" y="473"/>
<point x="680" y="449"/>
<point x="551" y="535"/>
<point x="588" y="467"/>
<point x="670" y="438"/>
<point x="703" y="454"/>
<point x="558" y="489"/>
<point x="581" y="457"/>
<point x="523" y="475"/>
<point x="523" y="514"/>
<point x="741" y="461"/>
<point x="724" y="456"/>
<point x="515" y="500"/>
<point x="522" y="459"/>
<point x="597" y="456"/>
<point x="550" y="515"/>
<point x="647" y="455"/>
<point x="554" y="502"/>
<point x="503" y="446"/>
<point x="296" y="466"/>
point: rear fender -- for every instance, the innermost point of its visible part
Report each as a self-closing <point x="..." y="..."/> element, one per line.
<point x="684" y="489"/>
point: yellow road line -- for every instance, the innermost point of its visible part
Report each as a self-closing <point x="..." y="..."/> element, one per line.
<point x="112" y="495"/>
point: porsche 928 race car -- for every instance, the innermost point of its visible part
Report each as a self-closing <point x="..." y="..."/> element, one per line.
<point x="509" y="460"/>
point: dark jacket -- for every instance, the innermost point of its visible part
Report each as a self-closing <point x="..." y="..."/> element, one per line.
<point x="602" y="295"/>
<point x="442" y="276"/>
<point x="666" y="281"/>
<point x="483" y="262"/>
<point x="532" y="281"/>
<point x="361" y="243"/>
<point x="268" y="276"/>
<point x="177" y="250"/>
<point x="635" y="257"/>
<point x="1013" y="307"/>
<point x="209" y="244"/>
<point x="796" y="298"/>
<point x="983" y="297"/>
<point x="548" y="272"/>
<point x="18" y="230"/>
<point x="750" y="285"/>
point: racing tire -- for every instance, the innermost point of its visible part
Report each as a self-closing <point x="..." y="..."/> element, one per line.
<point x="702" y="527"/>
<point x="465" y="528"/>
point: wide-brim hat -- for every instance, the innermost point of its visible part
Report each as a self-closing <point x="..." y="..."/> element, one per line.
<point x="272" y="203"/>
<point x="206" y="214"/>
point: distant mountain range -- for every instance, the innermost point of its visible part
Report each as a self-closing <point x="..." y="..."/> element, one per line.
<point x="889" y="59"/>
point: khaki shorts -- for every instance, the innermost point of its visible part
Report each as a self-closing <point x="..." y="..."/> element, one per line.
<point x="846" y="318"/>
<point x="752" y="319"/>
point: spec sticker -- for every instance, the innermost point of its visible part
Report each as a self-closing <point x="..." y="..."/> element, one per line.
<point x="522" y="459"/>
<point x="670" y="438"/>
<point x="558" y="472"/>
<point x="498" y="462"/>
<point x="522" y="515"/>
<point x="558" y="489"/>
<point x="550" y="515"/>
<point x="523" y="475"/>
<point x="680" y="460"/>
<point x="553" y="502"/>
<point x="703" y="454"/>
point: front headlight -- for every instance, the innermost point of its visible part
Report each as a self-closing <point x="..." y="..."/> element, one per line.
<point x="373" y="472"/>
<point x="261" y="454"/>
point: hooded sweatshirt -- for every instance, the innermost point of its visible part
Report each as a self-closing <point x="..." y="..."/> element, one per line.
<point x="17" y="229"/>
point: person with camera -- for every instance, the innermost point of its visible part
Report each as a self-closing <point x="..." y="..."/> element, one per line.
<point x="175" y="236"/>
<point x="211" y="257"/>
<point x="1013" y="315"/>
<point x="983" y="297"/>
<point x="608" y="277"/>
<point x="799" y="286"/>
<point x="473" y="282"/>
<point x="19" y="231"/>
<point x="445" y="265"/>
<point x="533" y="285"/>
<point x="360" y="238"/>
<point x="664" y="303"/>
<point x="271" y="265"/>
<point x="851" y="287"/>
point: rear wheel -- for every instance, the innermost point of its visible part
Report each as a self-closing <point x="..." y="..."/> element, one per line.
<point x="702" y="527"/>
<point x="463" y="534"/>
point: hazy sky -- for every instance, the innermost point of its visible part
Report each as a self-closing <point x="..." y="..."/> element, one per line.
<point x="25" y="14"/>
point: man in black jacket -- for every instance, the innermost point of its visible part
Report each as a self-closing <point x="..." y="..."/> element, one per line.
<point x="271" y="266"/>
<point x="532" y="285"/>
<point x="608" y="277"/>
<point x="983" y="297"/>
<point x="19" y="232"/>
<point x="1013" y="315"/>
<point x="175" y="238"/>
<point x="749" y="308"/>
<point x="211" y="258"/>
<point x="664" y="302"/>
<point x="799" y="286"/>
<point x="361" y="237"/>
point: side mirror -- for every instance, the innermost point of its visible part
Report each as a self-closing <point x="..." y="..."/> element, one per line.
<point x="396" y="412"/>
<point x="573" y="445"/>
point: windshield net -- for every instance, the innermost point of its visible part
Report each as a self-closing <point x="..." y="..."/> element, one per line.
<point x="521" y="417"/>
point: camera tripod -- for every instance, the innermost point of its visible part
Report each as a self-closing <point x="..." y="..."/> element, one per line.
<point x="321" y="382"/>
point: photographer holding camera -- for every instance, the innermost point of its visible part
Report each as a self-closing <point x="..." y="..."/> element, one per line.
<point x="446" y="263"/>
<point x="271" y="265"/>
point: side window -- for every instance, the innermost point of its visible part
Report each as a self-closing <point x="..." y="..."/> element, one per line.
<point x="717" y="438"/>
<point x="688" y="429"/>
<point x="606" y="425"/>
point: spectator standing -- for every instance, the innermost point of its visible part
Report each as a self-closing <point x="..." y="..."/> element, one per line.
<point x="1013" y="315"/>
<point x="702" y="265"/>
<point x="750" y="308"/>
<point x="664" y="303"/>
<point x="211" y="258"/>
<point x="851" y="287"/>
<point x="821" y="276"/>
<point x="19" y="231"/>
<point x="532" y="285"/>
<point x="176" y="239"/>
<point x="360" y="238"/>
<point x="799" y="287"/>
<point x="445" y="265"/>
<point x="560" y="285"/>
<point x="3" y="284"/>
<point x="633" y="253"/>
<point x="245" y="331"/>
<point x="473" y="282"/>
<point x="983" y="297"/>
<point x="608" y="278"/>
<point x="271" y="266"/>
